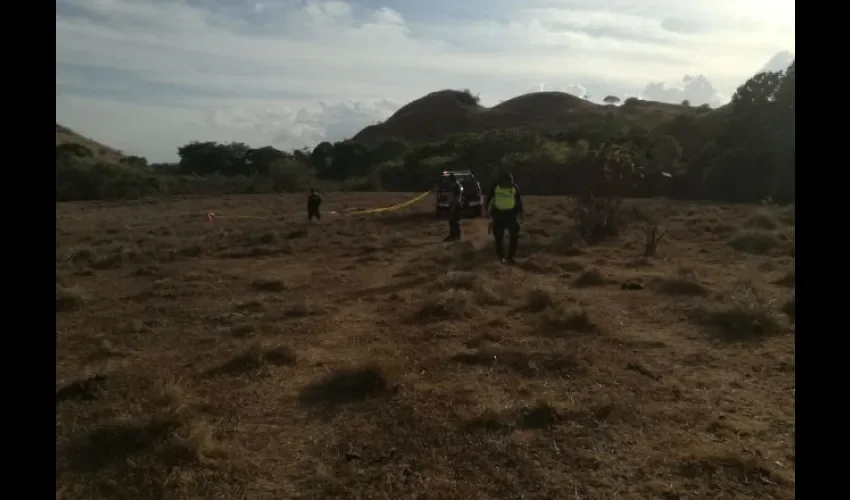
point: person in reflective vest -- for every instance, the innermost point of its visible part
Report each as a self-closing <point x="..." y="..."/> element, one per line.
<point x="505" y="207"/>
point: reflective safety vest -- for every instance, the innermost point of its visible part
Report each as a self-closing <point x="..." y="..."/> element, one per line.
<point x="504" y="198"/>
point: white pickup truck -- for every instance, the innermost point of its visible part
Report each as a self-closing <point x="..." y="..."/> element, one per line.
<point x="471" y="199"/>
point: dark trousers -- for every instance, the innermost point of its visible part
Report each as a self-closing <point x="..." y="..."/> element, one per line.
<point x="505" y="222"/>
<point x="313" y="212"/>
<point x="454" y="223"/>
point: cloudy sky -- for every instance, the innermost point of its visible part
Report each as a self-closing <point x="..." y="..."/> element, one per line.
<point x="147" y="76"/>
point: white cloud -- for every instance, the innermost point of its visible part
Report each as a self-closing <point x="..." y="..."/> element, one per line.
<point x="695" y="89"/>
<point x="149" y="76"/>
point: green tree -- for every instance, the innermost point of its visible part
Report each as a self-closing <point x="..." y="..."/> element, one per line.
<point x="134" y="161"/>
<point x="666" y="154"/>
<point x="260" y="160"/>
<point x="322" y="158"/>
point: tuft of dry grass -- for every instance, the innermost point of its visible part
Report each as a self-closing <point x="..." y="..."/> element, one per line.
<point x="268" y="285"/>
<point x="757" y="242"/>
<point x="789" y="280"/>
<point x="524" y="362"/>
<point x="68" y="299"/>
<point x="561" y="319"/>
<point x="348" y="386"/>
<point x="301" y="308"/>
<point x="448" y="304"/>
<point x="653" y="235"/>
<point x="105" y="350"/>
<point x="790" y="308"/>
<point x="539" y="299"/>
<point x="762" y="220"/>
<point x="460" y="280"/>
<point x="591" y="277"/>
<point x="748" y="316"/>
<point x="256" y="356"/>
<point x="568" y="242"/>
<point x="682" y="283"/>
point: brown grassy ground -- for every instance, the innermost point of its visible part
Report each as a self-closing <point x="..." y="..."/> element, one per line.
<point x="363" y="358"/>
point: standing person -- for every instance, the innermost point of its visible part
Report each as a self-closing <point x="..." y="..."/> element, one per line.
<point x="454" y="209"/>
<point x="314" y="201"/>
<point x="504" y="204"/>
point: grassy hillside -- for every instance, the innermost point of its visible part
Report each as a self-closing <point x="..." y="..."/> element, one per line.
<point x="100" y="152"/>
<point x="448" y="112"/>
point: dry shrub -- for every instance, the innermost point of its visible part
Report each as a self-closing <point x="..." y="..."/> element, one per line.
<point x="82" y="255"/>
<point x="265" y="238"/>
<point x="539" y="299"/>
<point x="639" y="262"/>
<point x="746" y="316"/>
<point x="301" y="308"/>
<point x="787" y="215"/>
<point x="606" y="176"/>
<point x="788" y="280"/>
<point x="296" y="234"/>
<point x="159" y="438"/>
<point x="539" y="416"/>
<point x="268" y="285"/>
<point x="487" y="295"/>
<point x="762" y="220"/>
<point x="149" y="271"/>
<point x="68" y="299"/>
<point x="348" y="385"/>
<point x="756" y="241"/>
<point x="461" y="280"/>
<point x="591" y="277"/>
<point x="790" y="307"/>
<point x="652" y="238"/>
<point x="197" y="443"/>
<point x="570" y="242"/>
<point x="741" y="467"/>
<point x="256" y="356"/>
<point x="244" y="330"/>
<point x="112" y="261"/>
<point x="524" y="362"/>
<point x="571" y="266"/>
<point x="683" y="283"/>
<point x="190" y="251"/>
<point x="569" y="318"/>
<point x="448" y="304"/>
<point x="104" y="350"/>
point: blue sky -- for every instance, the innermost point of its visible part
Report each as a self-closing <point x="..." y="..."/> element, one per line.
<point x="147" y="76"/>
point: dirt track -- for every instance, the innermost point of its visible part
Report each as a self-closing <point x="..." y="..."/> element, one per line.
<point x="364" y="358"/>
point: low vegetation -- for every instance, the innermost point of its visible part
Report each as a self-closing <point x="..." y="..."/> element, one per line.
<point x="741" y="152"/>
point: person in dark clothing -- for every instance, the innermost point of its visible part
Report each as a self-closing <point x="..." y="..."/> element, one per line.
<point x="505" y="208"/>
<point x="314" y="201"/>
<point x="454" y="209"/>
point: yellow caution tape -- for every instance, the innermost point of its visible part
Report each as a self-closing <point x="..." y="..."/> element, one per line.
<point x="351" y="211"/>
<point x="403" y="204"/>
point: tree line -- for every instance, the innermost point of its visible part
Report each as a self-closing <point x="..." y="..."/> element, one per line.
<point x="741" y="152"/>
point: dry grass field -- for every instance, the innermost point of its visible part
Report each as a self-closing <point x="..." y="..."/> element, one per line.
<point x="363" y="358"/>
